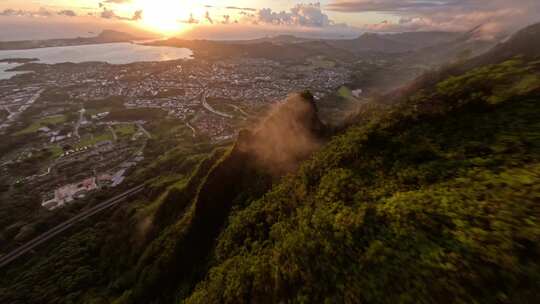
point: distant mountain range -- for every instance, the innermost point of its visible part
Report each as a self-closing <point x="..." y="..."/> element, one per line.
<point x="427" y="46"/>
<point x="106" y="36"/>
<point x="397" y="42"/>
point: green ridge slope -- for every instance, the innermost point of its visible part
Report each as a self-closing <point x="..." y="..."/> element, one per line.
<point x="436" y="201"/>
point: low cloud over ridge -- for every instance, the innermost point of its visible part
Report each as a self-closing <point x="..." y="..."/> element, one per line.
<point x="450" y="15"/>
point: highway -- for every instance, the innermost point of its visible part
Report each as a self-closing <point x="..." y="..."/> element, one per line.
<point x="19" y="252"/>
<point x="142" y="129"/>
<point x="192" y="129"/>
<point x="79" y="122"/>
<point x="209" y="107"/>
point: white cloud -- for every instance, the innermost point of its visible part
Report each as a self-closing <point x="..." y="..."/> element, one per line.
<point x="493" y="16"/>
<point x="309" y="15"/>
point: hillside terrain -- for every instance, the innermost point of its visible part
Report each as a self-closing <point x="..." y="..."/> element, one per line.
<point x="430" y="195"/>
<point x="441" y="188"/>
<point x="442" y="191"/>
<point x="291" y="48"/>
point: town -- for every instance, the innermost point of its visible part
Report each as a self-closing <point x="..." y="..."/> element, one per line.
<point x="84" y="124"/>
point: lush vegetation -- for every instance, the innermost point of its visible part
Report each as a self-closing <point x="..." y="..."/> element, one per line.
<point x="3" y="114"/>
<point x="44" y="122"/>
<point x="91" y="139"/>
<point x="346" y="93"/>
<point x="436" y="201"/>
<point x="136" y="114"/>
<point x="125" y="129"/>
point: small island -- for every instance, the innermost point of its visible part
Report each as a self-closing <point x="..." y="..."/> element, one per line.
<point x="106" y="36"/>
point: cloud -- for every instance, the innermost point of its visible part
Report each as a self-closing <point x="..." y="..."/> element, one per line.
<point x="241" y="8"/>
<point x="42" y="12"/>
<point x="137" y="15"/>
<point x="208" y="18"/>
<point x="387" y="5"/>
<point x="303" y="14"/>
<point x="117" y="1"/>
<point x="108" y="14"/>
<point x="450" y="15"/>
<point x="309" y="15"/>
<point x="111" y="14"/>
<point x="191" y="20"/>
<point x="68" y="13"/>
<point x="12" y="12"/>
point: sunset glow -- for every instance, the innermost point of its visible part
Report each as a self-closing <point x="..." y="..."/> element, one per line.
<point x="167" y="17"/>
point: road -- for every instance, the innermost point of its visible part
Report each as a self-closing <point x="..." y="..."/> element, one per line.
<point x="144" y="131"/>
<point x="115" y="137"/>
<point x="209" y="107"/>
<point x="24" y="249"/>
<point x="8" y="110"/>
<point x="237" y="108"/>
<point x="31" y="177"/>
<point x="13" y="115"/>
<point x="192" y="129"/>
<point x="79" y="122"/>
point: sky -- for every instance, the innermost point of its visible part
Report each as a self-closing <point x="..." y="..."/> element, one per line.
<point x="237" y="19"/>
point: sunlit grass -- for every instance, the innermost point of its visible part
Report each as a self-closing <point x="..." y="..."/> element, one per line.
<point x="44" y="122"/>
<point x="91" y="140"/>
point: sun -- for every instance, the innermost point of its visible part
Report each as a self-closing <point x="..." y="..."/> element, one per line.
<point x="163" y="16"/>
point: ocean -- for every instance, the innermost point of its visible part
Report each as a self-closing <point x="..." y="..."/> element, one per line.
<point x="113" y="53"/>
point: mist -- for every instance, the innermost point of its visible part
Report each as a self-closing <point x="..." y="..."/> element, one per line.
<point x="288" y="134"/>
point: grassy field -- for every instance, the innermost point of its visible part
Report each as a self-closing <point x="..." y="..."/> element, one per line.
<point x="3" y="114"/>
<point x="47" y="121"/>
<point x="56" y="151"/>
<point x="321" y="62"/>
<point x="90" y="140"/>
<point x="125" y="129"/>
<point x="90" y="112"/>
<point x="222" y="105"/>
<point x="148" y="114"/>
<point x="346" y="93"/>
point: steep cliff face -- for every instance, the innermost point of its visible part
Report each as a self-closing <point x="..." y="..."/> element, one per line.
<point x="190" y="219"/>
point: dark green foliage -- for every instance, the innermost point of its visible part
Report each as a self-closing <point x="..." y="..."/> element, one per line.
<point x="110" y="248"/>
<point x="190" y="218"/>
<point x="136" y="114"/>
<point x="437" y="202"/>
<point x="178" y="199"/>
<point x="67" y="275"/>
<point x="3" y="114"/>
<point x="111" y="103"/>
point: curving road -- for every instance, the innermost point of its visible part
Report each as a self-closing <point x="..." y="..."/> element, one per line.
<point x="19" y="252"/>
<point x="142" y="129"/>
<point x="208" y="107"/>
<point x="78" y="123"/>
<point x="192" y="129"/>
